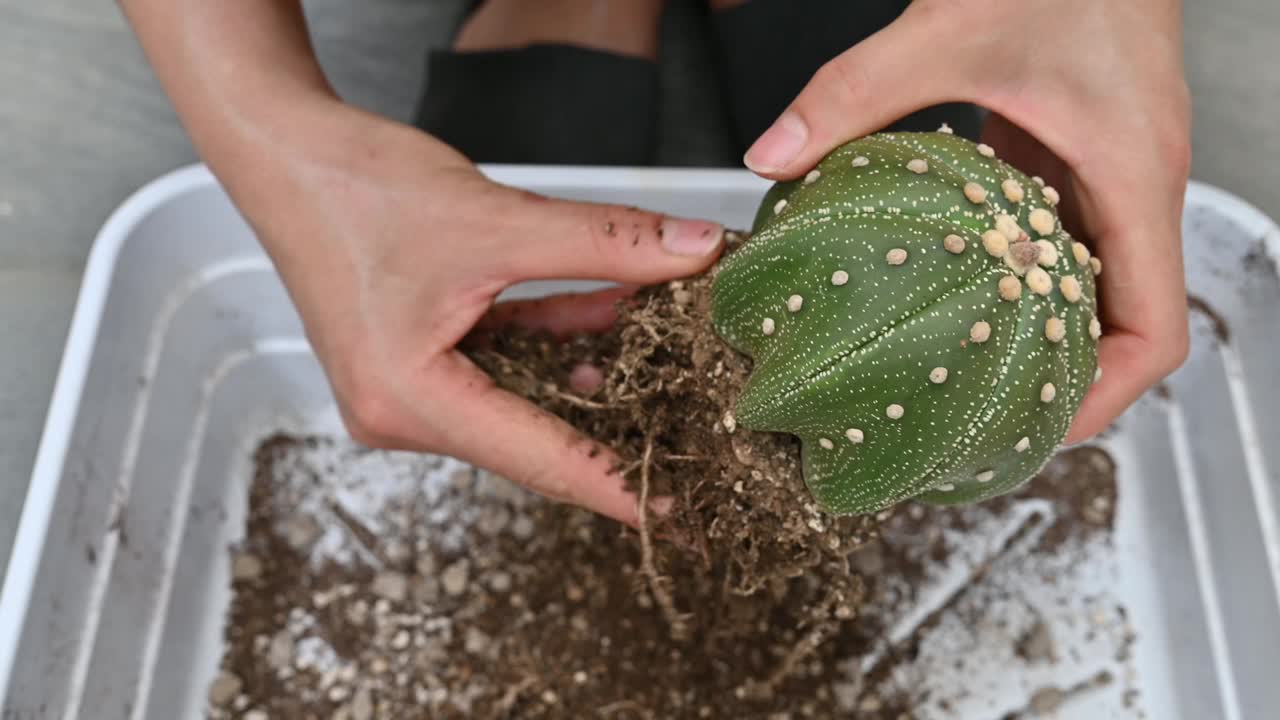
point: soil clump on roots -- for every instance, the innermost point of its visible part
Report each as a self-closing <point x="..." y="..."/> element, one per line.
<point x="742" y="519"/>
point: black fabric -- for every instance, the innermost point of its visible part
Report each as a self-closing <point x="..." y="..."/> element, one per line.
<point x="545" y="104"/>
<point x="769" y="49"/>
<point x="565" y="104"/>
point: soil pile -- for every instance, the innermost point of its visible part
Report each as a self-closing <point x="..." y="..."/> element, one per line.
<point x="467" y="597"/>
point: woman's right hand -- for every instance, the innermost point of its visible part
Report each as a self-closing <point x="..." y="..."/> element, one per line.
<point x="1090" y="95"/>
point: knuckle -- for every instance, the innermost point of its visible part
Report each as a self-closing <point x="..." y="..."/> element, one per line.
<point x="369" y="408"/>
<point x="1180" y="96"/>
<point x="361" y="434"/>
<point x="1175" y="149"/>
<point x="614" y="232"/>
<point x="1179" y="349"/>
<point x="1180" y="154"/>
<point x="548" y="481"/>
<point x="944" y="15"/>
<point x="604" y="227"/>
<point x="842" y="82"/>
<point x="368" y="419"/>
<point x="1172" y="352"/>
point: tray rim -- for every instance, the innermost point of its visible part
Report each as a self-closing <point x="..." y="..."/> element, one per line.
<point x="18" y="583"/>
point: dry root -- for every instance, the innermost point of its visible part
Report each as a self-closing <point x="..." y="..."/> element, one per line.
<point x="659" y="585"/>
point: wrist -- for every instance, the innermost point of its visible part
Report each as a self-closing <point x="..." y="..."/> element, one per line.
<point x="258" y="145"/>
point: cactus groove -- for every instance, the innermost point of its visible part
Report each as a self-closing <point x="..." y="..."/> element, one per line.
<point x="948" y="386"/>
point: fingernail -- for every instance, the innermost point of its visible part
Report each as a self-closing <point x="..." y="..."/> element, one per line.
<point x="661" y="506"/>
<point x="586" y="378"/>
<point x="779" y="145"/>
<point x="691" y="238"/>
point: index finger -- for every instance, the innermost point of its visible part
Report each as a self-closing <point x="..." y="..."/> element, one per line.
<point x="507" y="435"/>
<point x="1143" y="303"/>
<point x="887" y="76"/>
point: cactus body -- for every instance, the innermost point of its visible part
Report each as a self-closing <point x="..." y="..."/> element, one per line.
<point x="876" y="302"/>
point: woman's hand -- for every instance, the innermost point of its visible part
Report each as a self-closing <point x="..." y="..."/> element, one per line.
<point x="1090" y="95"/>
<point x="393" y="255"/>
<point x="393" y="246"/>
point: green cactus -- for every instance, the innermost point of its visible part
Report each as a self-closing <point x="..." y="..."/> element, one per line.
<point x="917" y="317"/>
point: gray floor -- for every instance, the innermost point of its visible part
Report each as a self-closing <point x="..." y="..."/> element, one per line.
<point x="83" y="124"/>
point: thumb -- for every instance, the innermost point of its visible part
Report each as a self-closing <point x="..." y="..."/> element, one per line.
<point x="889" y="75"/>
<point x="585" y="241"/>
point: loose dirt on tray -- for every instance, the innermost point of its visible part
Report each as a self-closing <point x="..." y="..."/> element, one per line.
<point x="391" y="585"/>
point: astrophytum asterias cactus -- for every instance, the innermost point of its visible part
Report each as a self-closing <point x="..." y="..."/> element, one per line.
<point x="917" y="316"/>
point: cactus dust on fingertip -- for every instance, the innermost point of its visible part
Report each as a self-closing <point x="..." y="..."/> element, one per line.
<point x="895" y="211"/>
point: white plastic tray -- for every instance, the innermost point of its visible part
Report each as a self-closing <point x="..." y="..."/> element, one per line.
<point x="185" y="352"/>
